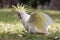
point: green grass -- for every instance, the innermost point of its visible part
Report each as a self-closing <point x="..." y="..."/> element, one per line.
<point x="11" y="27"/>
<point x="7" y="16"/>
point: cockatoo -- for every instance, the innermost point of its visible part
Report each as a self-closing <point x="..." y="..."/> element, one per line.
<point x="37" y="22"/>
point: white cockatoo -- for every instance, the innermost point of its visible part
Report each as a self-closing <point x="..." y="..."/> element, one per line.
<point x="37" y="22"/>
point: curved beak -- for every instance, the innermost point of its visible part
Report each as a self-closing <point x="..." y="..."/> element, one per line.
<point x="19" y="15"/>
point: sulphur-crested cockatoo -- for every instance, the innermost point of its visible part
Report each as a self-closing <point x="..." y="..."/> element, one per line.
<point x="37" y="22"/>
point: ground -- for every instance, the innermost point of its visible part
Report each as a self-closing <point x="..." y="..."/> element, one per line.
<point x="11" y="27"/>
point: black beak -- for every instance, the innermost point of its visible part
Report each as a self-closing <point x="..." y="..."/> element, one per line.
<point x="19" y="15"/>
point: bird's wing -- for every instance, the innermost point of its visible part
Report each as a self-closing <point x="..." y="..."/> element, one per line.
<point x="40" y="20"/>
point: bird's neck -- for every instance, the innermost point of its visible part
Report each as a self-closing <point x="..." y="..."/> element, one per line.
<point x="24" y="15"/>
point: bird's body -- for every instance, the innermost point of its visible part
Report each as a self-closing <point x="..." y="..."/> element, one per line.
<point x="35" y="19"/>
<point x="37" y="22"/>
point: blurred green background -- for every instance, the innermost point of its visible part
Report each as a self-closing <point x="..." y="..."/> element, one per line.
<point x="11" y="27"/>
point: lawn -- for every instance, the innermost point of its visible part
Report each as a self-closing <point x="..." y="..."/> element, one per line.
<point x="11" y="27"/>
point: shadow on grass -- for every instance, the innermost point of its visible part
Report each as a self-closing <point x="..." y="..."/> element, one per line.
<point x="25" y="36"/>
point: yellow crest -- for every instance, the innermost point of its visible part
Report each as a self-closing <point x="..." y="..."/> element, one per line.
<point x="19" y="8"/>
